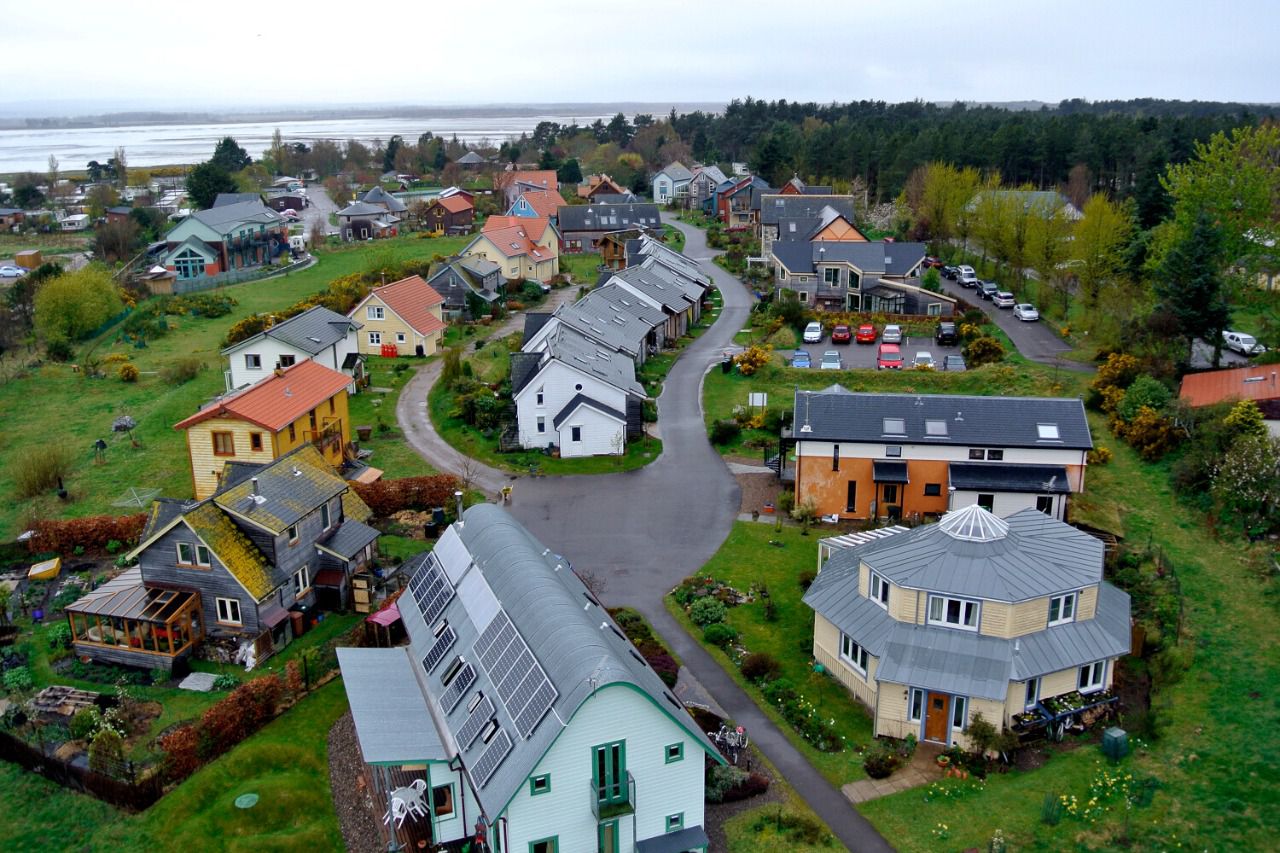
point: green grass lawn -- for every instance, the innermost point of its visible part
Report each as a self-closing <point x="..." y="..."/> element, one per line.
<point x="73" y="411"/>
<point x="748" y="558"/>
<point x="582" y="268"/>
<point x="50" y="245"/>
<point x="391" y="453"/>
<point x="675" y="237"/>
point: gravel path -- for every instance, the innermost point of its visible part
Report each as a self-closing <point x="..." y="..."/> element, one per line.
<point x="351" y="799"/>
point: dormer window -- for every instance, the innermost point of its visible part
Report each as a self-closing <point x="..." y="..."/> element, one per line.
<point x="879" y="589"/>
<point x="1062" y="608"/>
<point x="953" y="612"/>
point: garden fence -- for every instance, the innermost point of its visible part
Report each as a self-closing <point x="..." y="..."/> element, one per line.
<point x="130" y="792"/>
<point x="193" y="285"/>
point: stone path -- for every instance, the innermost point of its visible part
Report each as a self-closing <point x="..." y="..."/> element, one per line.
<point x="922" y="770"/>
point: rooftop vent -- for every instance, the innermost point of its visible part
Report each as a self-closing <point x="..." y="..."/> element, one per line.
<point x="973" y="524"/>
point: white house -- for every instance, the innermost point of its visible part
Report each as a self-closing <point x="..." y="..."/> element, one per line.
<point x="75" y="222"/>
<point x="520" y="710"/>
<point x="670" y="182"/>
<point x="577" y="395"/>
<point x="317" y="333"/>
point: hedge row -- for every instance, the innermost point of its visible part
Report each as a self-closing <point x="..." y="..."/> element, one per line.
<point x="386" y="497"/>
<point x="248" y="708"/>
<point x="91" y="533"/>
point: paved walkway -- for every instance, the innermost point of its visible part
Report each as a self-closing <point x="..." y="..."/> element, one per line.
<point x="922" y="770"/>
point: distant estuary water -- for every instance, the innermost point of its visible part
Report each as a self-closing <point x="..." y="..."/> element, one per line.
<point x="28" y="149"/>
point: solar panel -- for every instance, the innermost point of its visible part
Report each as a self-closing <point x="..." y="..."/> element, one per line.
<point x="442" y="644"/>
<point x="537" y="708"/>
<point x="453" y="695"/>
<point x="498" y="749"/>
<point x="521" y="682"/>
<point x="475" y="723"/>
<point x="430" y="589"/>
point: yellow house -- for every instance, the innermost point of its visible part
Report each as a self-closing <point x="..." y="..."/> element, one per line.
<point x="1007" y="617"/>
<point x="305" y="403"/>
<point x="401" y="318"/>
<point x="524" y="247"/>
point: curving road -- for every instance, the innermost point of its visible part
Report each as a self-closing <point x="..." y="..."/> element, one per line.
<point x="644" y="531"/>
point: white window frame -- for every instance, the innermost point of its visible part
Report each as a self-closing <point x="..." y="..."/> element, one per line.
<point x="326" y="517"/>
<point x="291" y="533"/>
<point x="252" y="361"/>
<point x="853" y="655"/>
<point x="802" y="295"/>
<point x="190" y="558"/>
<point x="229" y="611"/>
<point x="1067" y="605"/>
<point x="301" y="581"/>
<point x="933" y="309"/>
<point x="375" y="312"/>
<point x="915" y="705"/>
<point x="878" y="587"/>
<point x="203" y="556"/>
<point x="542" y="424"/>
<point x="959" y="708"/>
<point x="400" y="338"/>
<point x="945" y="602"/>
<point x="375" y="339"/>
<point x="1091" y="677"/>
<point x="541" y="398"/>
<point x="1031" y="694"/>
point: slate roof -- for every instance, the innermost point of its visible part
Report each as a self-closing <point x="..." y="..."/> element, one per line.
<point x="579" y="352"/>
<point x="716" y="176"/>
<point x="872" y="258"/>
<point x="613" y="316"/>
<point x="496" y="568"/>
<point x="664" y="292"/>
<point x="278" y="400"/>
<point x="524" y="365"/>
<point x="225" y="218"/>
<point x="656" y="266"/>
<point x="349" y="539"/>
<point x="362" y="208"/>
<point x="163" y="511"/>
<point x="353" y="506"/>
<point x="381" y="197"/>
<point x="223" y="199"/>
<point x="312" y="331"/>
<point x="615" y="198"/>
<point x="288" y="489"/>
<point x="606" y="217"/>
<point x="590" y="402"/>
<point x="1008" y="477"/>
<point x="775" y="208"/>
<point x="969" y="421"/>
<point x="533" y="323"/>
<point x="411" y="298"/>
<point x="677" y="172"/>
<point x="241" y="557"/>
<point x="471" y="158"/>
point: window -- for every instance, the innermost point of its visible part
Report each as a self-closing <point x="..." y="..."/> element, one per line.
<point x="879" y="590"/>
<point x="935" y="427"/>
<point x="673" y="752"/>
<point x="802" y="295"/>
<point x="835" y="457"/>
<point x="891" y="493"/>
<point x="853" y="654"/>
<point x="851" y="497"/>
<point x="229" y="610"/>
<point x="375" y="312"/>
<point x="995" y="455"/>
<point x="894" y="450"/>
<point x="540" y="785"/>
<point x="293" y="433"/>
<point x="895" y="426"/>
<point x="252" y="361"/>
<point x="959" y="705"/>
<point x="916" y="709"/>
<point x="301" y="581"/>
<point x="287" y="360"/>
<point x="575" y="433"/>
<point x="934" y="309"/>
<point x="375" y="339"/>
<point x="400" y="337"/>
<point x="541" y="398"/>
<point x="442" y="801"/>
<point x="977" y="453"/>
<point x="953" y="612"/>
<point x="224" y="444"/>
<point x="292" y="534"/>
<point x="1062" y="608"/>
<point x="202" y="555"/>
<point x="542" y="424"/>
<point x="675" y="822"/>
<point x="1091" y="676"/>
<point x="987" y="502"/>
<point x="186" y="554"/>
<point x="324" y="516"/>
<point x="1044" y="503"/>
<point x="1047" y="432"/>
<point x="831" y="275"/>
<point x="255" y="441"/>
<point x="609" y="772"/>
<point x="545" y="845"/>
<point x="1033" y="693"/>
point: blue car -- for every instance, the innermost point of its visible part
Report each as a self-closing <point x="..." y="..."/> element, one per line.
<point x="800" y="358"/>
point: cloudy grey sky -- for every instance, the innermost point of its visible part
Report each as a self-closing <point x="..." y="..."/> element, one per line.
<point x="86" y="54"/>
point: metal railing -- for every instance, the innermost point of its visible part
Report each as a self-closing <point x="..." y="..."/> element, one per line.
<point x="612" y="800"/>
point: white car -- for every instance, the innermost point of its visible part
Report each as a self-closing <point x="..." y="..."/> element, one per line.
<point x="924" y="361"/>
<point x="892" y="334"/>
<point x="813" y="333"/>
<point x="1238" y="341"/>
<point x="1026" y="312"/>
<point x="965" y="269"/>
<point x="1003" y="299"/>
<point x="11" y="271"/>
<point x="830" y="360"/>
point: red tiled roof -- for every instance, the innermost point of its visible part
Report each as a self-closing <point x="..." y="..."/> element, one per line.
<point x="544" y="204"/>
<point x="515" y="235"/>
<point x="455" y="203"/>
<point x="276" y="402"/>
<point x="411" y="298"/>
<point x="539" y="178"/>
<point x="1255" y="382"/>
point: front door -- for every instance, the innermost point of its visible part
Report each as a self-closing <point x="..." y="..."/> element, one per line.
<point x="935" y="718"/>
<point x="609" y="837"/>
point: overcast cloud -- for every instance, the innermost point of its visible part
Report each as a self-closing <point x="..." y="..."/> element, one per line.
<point x="197" y="55"/>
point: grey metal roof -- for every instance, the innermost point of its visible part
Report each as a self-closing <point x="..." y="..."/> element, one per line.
<point x="614" y="198"/>
<point x="223" y="199"/>
<point x="533" y="323"/>
<point x="1044" y="479"/>
<point x="606" y="217"/>
<point x="478" y="266"/>
<point x="676" y="171"/>
<point x="497" y="567"/>
<point x="312" y="331"/>
<point x="254" y="211"/>
<point x="689" y="838"/>
<point x="574" y="349"/>
<point x="362" y="208"/>
<point x="657" y="288"/>
<point x="1106" y="635"/>
<point x="944" y="659"/>
<point x="613" y="316"/>
<point x="889" y="471"/>
<point x="392" y="722"/>
<point x="379" y="196"/>
<point x="648" y="247"/>
<point x="583" y="400"/>
<point x="350" y="537"/>
<point x="775" y="208"/>
<point x="471" y="158"/>
<point x="692" y="290"/>
<point x="872" y="258"/>
<point x="834" y="595"/>
<point x="969" y="421"/>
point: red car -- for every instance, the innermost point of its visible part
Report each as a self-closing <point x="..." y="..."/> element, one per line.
<point x="866" y="334"/>
<point x="931" y="261"/>
<point x="889" y="358"/>
<point x="841" y="334"/>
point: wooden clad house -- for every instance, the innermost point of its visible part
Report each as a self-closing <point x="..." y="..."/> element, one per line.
<point x="404" y="317"/>
<point x="451" y="214"/>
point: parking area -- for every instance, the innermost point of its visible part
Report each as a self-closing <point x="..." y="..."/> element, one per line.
<point x="863" y="356"/>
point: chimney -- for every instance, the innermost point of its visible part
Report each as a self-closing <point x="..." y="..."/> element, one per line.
<point x="254" y="481"/>
<point x="457" y="499"/>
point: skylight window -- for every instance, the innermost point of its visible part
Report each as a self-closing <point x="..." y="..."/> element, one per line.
<point x="1047" y="432"/>
<point x="895" y="426"/>
<point x="935" y="427"/>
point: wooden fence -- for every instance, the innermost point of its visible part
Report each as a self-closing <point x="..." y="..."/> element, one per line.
<point x="131" y="792"/>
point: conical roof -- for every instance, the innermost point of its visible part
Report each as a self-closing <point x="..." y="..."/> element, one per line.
<point x="973" y="524"/>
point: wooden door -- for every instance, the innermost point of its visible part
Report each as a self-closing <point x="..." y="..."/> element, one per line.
<point x="935" y="717"/>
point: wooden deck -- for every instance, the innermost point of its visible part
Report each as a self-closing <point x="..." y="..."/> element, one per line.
<point x="415" y="833"/>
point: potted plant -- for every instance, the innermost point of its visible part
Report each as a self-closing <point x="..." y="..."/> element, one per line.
<point x="944" y="761"/>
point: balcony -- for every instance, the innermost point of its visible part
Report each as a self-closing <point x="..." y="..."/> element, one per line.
<point x="611" y="800"/>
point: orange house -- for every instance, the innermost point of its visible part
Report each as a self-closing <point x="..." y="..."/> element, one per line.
<point x="305" y="403"/>
<point x="870" y="456"/>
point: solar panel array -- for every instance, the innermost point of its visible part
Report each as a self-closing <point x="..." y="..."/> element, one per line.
<point x="443" y="643"/>
<point x="430" y="589"/>
<point x="522" y="684"/>
<point x="453" y="694"/>
<point x="471" y="729"/>
<point x="497" y="750"/>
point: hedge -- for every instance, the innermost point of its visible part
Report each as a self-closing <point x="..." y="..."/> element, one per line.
<point x="386" y="497"/>
<point x="92" y="533"/>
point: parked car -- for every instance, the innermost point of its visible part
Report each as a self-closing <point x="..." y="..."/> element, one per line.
<point x="950" y="272"/>
<point x="1003" y="299"/>
<point x="889" y="357"/>
<point x="965" y="268"/>
<point x="923" y="361"/>
<point x="11" y="271"/>
<point x="1026" y="312"/>
<point x="866" y="334"/>
<point x="830" y="360"/>
<point x="892" y="334"/>
<point x="987" y="289"/>
<point x="813" y="333"/>
<point x="841" y="334"/>
<point x="945" y="335"/>
<point x="800" y="358"/>
<point x="954" y="361"/>
<point x="930" y="261"/>
<point x="1242" y="343"/>
<point x="967" y="279"/>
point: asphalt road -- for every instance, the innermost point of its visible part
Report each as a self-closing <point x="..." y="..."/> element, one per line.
<point x="318" y="208"/>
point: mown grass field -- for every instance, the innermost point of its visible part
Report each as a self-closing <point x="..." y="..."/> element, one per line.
<point x="53" y="404"/>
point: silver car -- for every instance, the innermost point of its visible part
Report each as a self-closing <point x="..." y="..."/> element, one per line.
<point x="892" y="334"/>
<point x="923" y="361"/>
<point x="830" y="360"/>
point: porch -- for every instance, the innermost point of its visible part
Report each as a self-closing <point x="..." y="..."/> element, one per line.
<point x="128" y="623"/>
